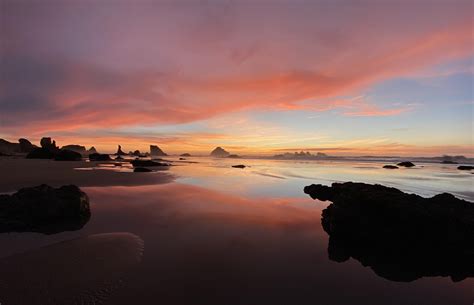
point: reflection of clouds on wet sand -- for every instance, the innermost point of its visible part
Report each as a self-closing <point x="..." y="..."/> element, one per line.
<point x="80" y="271"/>
<point x="227" y="249"/>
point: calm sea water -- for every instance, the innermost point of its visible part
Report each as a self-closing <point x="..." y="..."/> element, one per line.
<point x="222" y="235"/>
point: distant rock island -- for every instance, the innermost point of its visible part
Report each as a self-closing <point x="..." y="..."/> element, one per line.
<point x="156" y="151"/>
<point x="219" y="152"/>
<point x="120" y="152"/>
<point x="185" y="155"/>
<point x="301" y="155"/>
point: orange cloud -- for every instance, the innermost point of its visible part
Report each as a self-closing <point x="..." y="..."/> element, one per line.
<point x="206" y="62"/>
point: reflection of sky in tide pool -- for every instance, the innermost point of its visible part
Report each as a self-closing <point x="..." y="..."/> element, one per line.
<point x="221" y="235"/>
<point x="287" y="178"/>
<point x="222" y="248"/>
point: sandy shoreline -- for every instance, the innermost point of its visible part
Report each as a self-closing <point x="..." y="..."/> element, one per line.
<point x="18" y="173"/>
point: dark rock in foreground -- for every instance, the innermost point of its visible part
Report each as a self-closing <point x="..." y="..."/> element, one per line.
<point x="239" y="166"/>
<point x="406" y="164"/>
<point x="465" y="167"/>
<point x="401" y="236"/>
<point x="142" y="170"/>
<point x="67" y="155"/>
<point x="147" y="163"/>
<point x="390" y="166"/>
<point x="99" y="157"/>
<point x="44" y="209"/>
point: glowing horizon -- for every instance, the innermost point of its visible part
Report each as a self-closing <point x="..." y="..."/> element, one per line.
<point x="352" y="78"/>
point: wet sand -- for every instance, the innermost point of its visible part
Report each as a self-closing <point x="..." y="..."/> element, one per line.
<point x="18" y="173"/>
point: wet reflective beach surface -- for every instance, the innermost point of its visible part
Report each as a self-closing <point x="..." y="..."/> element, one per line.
<point x="213" y="234"/>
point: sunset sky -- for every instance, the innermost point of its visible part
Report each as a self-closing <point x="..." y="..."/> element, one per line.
<point x="255" y="77"/>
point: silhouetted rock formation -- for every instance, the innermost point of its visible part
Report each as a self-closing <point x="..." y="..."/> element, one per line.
<point x="67" y="155"/>
<point x="47" y="144"/>
<point x="9" y="148"/>
<point x="185" y="155"/>
<point x="135" y="153"/>
<point x="406" y="164"/>
<point x="77" y="148"/>
<point x="301" y="156"/>
<point x="119" y="158"/>
<point x="156" y="151"/>
<point x="25" y="146"/>
<point x="48" y="150"/>
<point x="182" y="158"/>
<point x="120" y="152"/>
<point x="234" y="156"/>
<point x="92" y="150"/>
<point x="219" y="152"/>
<point x="147" y="163"/>
<point x="239" y="166"/>
<point x="390" y="166"/>
<point x="40" y="153"/>
<point x="401" y="236"/>
<point x="99" y="157"/>
<point x="44" y="209"/>
<point x="142" y="170"/>
<point x="465" y="167"/>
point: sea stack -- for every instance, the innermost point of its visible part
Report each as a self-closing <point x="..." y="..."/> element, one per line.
<point x="219" y="152"/>
<point x="120" y="152"/>
<point x="156" y="151"/>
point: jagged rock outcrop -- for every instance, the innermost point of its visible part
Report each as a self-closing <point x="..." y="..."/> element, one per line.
<point x="77" y="148"/>
<point x="9" y="148"/>
<point x="92" y="150"/>
<point x="99" y="157"/>
<point x="44" y="209"/>
<point x="219" y="152"/>
<point x="119" y="151"/>
<point x="48" y="150"/>
<point x="156" y="151"/>
<point x="406" y="164"/>
<point x="401" y="236"/>
<point x="147" y="163"/>
<point x="47" y="144"/>
<point x="67" y="155"/>
<point x="25" y="145"/>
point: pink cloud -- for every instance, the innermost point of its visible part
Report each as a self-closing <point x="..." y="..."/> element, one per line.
<point x="191" y="65"/>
